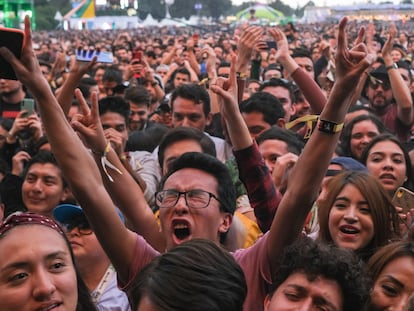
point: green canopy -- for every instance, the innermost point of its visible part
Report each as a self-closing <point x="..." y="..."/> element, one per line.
<point x="261" y="12"/>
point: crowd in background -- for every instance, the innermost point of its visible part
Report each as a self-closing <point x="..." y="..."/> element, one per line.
<point x="261" y="139"/>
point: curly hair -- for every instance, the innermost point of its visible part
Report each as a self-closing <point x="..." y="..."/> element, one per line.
<point x="316" y="259"/>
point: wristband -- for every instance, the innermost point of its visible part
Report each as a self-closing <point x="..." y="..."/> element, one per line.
<point x="393" y="66"/>
<point x="105" y="162"/>
<point x="241" y="75"/>
<point x="329" y="127"/>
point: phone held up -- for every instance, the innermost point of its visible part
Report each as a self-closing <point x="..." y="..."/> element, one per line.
<point x="87" y="55"/>
<point x="403" y="198"/>
<point x="137" y="56"/>
<point x="12" y="39"/>
<point x="27" y="104"/>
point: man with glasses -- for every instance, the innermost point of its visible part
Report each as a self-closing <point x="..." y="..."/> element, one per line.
<point x="94" y="265"/>
<point x="390" y="99"/>
<point x="130" y="252"/>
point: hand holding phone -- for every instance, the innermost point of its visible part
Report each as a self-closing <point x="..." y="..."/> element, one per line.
<point x="13" y="40"/>
<point x="403" y="198"/>
<point x="27" y="104"/>
<point x="137" y="56"/>
<point x="271" y="45"/>
<point x="87" y="55"/>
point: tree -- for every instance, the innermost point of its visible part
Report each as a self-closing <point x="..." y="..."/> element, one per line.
<point x="45" y="10"/>
<point x="154" y="7"/>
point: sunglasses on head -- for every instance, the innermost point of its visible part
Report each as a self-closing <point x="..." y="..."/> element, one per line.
<point x="375" y="83"/>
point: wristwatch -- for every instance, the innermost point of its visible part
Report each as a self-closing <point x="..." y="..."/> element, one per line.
<point x="329" y="127"/>
<point x="393" y="66"/>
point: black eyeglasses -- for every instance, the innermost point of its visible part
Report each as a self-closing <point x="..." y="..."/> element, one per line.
<point x="83" y="227"/>
<point x="193" y="198"/>
<point x="375" y="83"/>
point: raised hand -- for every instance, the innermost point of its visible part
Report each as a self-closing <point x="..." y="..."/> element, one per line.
<point x="19" y="161"/>
<point x="88" y="124"/>
<point x="27" y="67"/>
<point x="387" y="48"/>
<point x="227" y="91"/>
<point x="351" y="63"/>
<point x="248" y="40"/>
<point x="282" y="54"/>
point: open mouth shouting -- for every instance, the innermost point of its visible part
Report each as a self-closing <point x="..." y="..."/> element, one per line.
<point x="181" y="231"/>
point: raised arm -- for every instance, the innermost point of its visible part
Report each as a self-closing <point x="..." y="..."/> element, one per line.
<point x="125" y="191"/>
<point x="76" y="163"/>
<point x="400" y="90"/>
<point x="308" y="86"/>
<point x="76" y="72"/>
<point x="252" y="169"/>
<point x="307" y="174"/>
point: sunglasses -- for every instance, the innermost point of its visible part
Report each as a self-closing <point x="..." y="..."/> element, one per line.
<point x="83" y="227"/>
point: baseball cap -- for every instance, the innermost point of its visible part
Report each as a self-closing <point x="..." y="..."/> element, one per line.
<point x="380" y="73"/>
<point x="349" y="164"/>
<point x="65" y="213"/>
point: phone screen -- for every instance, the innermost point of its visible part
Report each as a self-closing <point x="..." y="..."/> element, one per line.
<point x="13" y="40"/>
<point x="88" y="55"/>
<point x="271" y="45"/>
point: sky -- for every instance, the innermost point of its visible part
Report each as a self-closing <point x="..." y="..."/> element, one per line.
<point x="295" y="3"/>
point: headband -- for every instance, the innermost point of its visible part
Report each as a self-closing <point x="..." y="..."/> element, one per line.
<point x="28" y="218"/>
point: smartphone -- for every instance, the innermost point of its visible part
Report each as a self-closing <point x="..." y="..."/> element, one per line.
<point x="29" y="105"/>
<point x="137" y="56"/>
<point x="271" y="45"/>
<point x="403" y="198"/>
<point x="12" y="39"/>
<point x="87" y="55"/>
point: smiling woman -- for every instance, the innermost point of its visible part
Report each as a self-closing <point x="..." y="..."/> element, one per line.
<point x="37" y="269"/>
<point x="357" y="214"/>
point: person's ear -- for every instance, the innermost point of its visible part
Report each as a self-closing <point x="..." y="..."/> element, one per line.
<point x="209" y="118"/>
<point x="66" y="193"/>
<point x="280" y="123"/>
<point x="227" y="219"/>
<point x="267" y="302"/>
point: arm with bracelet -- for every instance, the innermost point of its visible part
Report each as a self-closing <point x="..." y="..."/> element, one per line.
<point x="79" y="167"/>
<point x="400" y="90"/>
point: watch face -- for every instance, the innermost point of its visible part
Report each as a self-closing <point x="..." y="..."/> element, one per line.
<point x="328" y="127"/>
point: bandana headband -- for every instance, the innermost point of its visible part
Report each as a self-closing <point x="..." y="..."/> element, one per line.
<point x="28" y="218"/>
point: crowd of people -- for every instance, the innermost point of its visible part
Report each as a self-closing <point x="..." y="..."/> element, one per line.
<point x="209" y="171"/>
